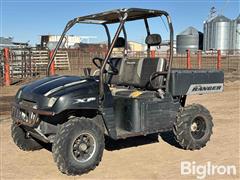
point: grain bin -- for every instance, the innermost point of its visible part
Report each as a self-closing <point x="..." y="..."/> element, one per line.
<point x="217" y="32"/>
<point x="191" y="39"/>
<point x="236" y="34"/>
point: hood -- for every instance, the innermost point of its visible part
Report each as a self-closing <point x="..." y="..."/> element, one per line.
<point x="58" y="93"/>
<point x="54" y="86"/>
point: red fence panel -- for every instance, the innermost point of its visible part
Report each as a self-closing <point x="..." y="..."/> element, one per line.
<point x="7" y="80"/>
<point x="52" y="67"/>
<point x="219" y="58"/>
<point x="199" y="58"/>
<point x="189" y="66"/>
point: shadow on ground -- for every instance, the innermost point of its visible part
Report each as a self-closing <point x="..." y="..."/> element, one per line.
<point x="112" y="145"/>
<point x="168" y="137"/>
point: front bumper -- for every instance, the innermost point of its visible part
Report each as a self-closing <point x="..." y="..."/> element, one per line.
<point x="26" y="115"/>
<point x="28" y="118"/>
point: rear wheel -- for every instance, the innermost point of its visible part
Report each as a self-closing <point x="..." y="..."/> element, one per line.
<point x="193" y="127"/>
<point x="23" y="140"/>
<point x="78" y="146"/>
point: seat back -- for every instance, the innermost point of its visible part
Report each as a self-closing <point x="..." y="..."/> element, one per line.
<point x="110" y="78"/>
<point x="137" y="72"/>
<point x="128" y="72"/>
<point x="161" y="66"/>
<point x="116" y="62"/>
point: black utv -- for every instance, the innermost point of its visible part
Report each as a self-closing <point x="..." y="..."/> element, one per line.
<point x="129" y="97"/>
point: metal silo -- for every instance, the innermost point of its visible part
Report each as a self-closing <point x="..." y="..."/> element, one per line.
<point x="208" y="34"/>
<point x="236" y="33"/>
<point x="218" y="33"/>
<point x="237" y="44"/>
<point x="191" y="39"/>
<point x="205" y="40"/>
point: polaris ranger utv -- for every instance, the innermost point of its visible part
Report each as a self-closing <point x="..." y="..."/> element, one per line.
<point x="129" y="97"/>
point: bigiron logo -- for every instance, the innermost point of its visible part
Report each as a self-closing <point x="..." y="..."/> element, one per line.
<point x="205" y="88"/>
<point x="201" y="171"/>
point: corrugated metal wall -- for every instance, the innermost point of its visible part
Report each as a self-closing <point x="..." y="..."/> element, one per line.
<point x="221" y="33"/>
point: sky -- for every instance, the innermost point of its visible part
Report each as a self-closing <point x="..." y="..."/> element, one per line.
<point x="26" y="20"/>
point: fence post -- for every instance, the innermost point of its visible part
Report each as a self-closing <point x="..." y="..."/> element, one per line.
<point x="25" y="63"/>
<point x="152" y="53"/>
<point x="30" y="62"/>
<point x="52" y="67"/>
<point x="7" y="80"/>
<point x="22" y="64"/>
<point x="188" y="59"/>
<point x="199" y="58"/>
<point x="219" y="58"/>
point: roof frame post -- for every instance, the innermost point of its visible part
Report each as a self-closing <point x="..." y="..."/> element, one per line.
<point x="148" y="33"/>
<point x="108" y="34"/>
<point x="171" y="35"/>
<point x="125" y="37"/>
<point x="101" y="80"/>
<point x="67" y="27"/>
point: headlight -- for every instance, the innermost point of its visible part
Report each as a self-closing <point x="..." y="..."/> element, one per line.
<point x="51" y="101"/>
<point x="35" y="106"/>
<point x="19" y="94"/>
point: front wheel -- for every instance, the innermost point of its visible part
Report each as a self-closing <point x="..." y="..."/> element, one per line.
<point x="23" y="140"/>
<point x="193" y="127"/>
<point x="78" y="146"/>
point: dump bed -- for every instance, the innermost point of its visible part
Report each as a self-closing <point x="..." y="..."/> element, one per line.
<point x="195" y="81"/>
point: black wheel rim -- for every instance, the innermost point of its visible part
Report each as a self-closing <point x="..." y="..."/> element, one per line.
<point x="198" y="127"/>
<point x="84" y="147"/>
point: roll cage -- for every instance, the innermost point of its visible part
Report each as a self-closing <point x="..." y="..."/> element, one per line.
<point x="119" y="16"/>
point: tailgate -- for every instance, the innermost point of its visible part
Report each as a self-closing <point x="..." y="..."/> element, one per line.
<point x="195" y="81"/>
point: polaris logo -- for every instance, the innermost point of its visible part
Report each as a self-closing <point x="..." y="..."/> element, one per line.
<point x="205" y="88"/>
<point x="131" y="62"/>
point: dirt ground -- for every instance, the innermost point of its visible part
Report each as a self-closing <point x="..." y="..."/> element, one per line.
<point x="135" y="158"/>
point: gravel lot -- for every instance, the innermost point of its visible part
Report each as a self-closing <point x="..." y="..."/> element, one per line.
<point x="135" y="158"/>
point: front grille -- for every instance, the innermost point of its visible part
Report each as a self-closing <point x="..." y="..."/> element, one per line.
<point x="23" y="116"/>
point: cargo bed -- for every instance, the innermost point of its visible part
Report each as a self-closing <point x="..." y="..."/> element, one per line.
<point x="195" y="81"/>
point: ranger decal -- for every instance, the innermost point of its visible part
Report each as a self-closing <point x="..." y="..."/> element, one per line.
<point x="205" y="88"/>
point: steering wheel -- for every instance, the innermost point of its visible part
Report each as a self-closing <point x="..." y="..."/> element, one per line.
<point x="154" y="76"/>
<point x="100" y="60"/>
<point x="114" y="70"/>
